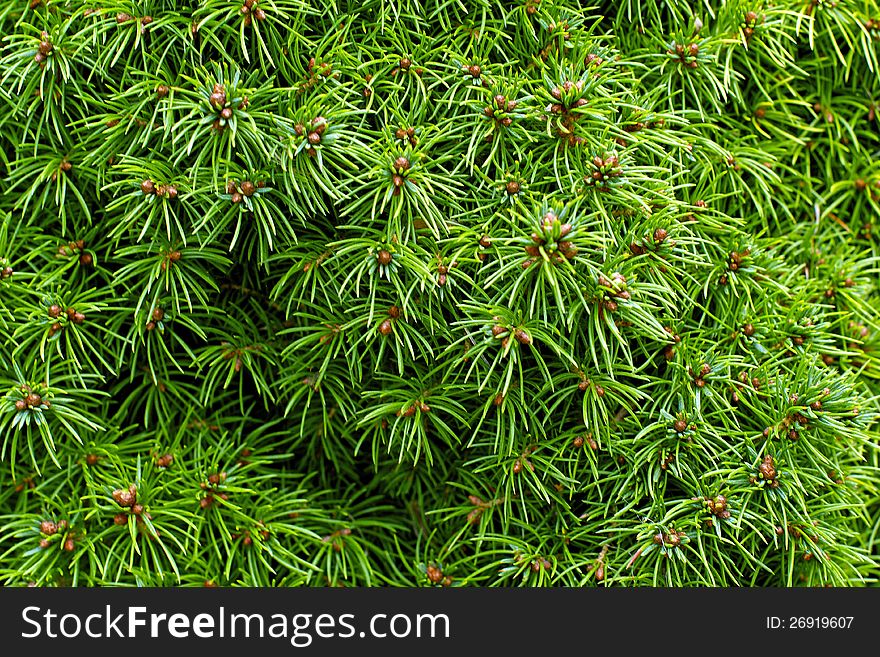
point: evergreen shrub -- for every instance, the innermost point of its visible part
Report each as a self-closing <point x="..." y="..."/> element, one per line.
<point x="436" y="293"/>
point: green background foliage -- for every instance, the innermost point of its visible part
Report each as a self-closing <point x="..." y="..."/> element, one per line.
<point x="439" y="293"/>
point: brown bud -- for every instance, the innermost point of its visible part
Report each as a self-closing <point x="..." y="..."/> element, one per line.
<point x="120" y="519"/>
<point x="660" y="234"/>
<point x="123" y="497"/>
<point x="48" y="527"/>
<point x="148" y="187"/>
<point x="248" y="188"/>
<point x="767" y="468"/>
<point x="385" y="327"/>
<point x="384" y="257"/>
<point x="522" y="337"/>
<point x="162" y="91"/>
<point x="680" y="426"/>
<point x="435" y="575"/>
<point x="860" y="185"/>
<point x="69" y="545"/>
<point x="401" y="163"/>
<point x="20" y="405"/>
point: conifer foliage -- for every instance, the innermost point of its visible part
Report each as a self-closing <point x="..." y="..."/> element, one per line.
<point x="439" y="293"/>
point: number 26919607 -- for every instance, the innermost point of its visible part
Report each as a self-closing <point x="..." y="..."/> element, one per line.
<point x="810" y="622"/>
